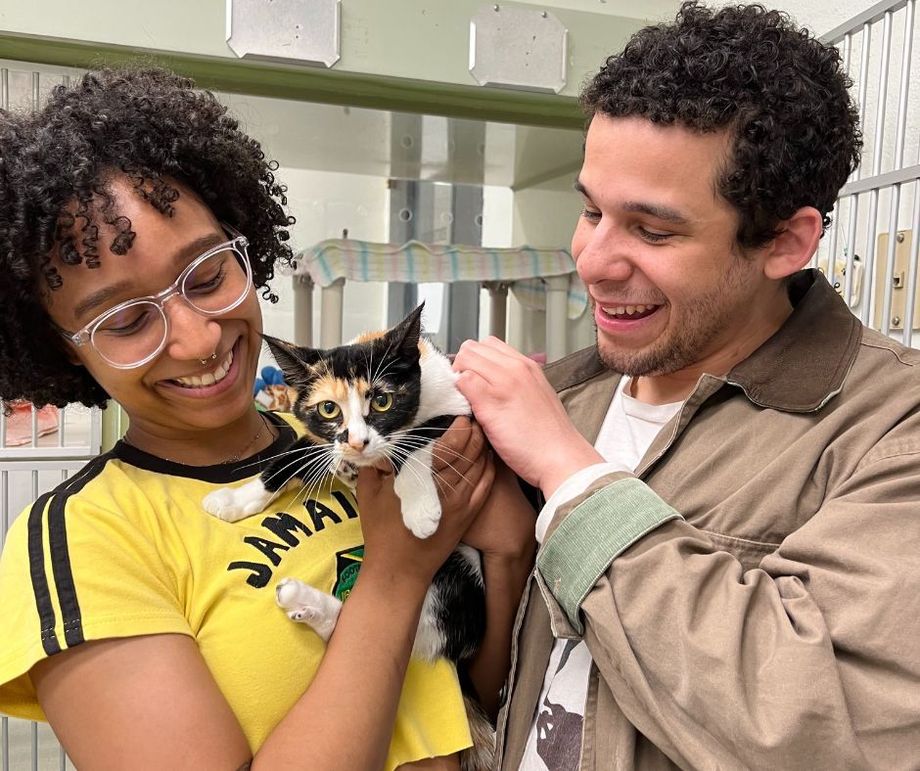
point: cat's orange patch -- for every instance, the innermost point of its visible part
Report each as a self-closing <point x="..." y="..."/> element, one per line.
<point x="366" y="337"/>
<point x="334" y="389"/>
<point x="329" y="388"/>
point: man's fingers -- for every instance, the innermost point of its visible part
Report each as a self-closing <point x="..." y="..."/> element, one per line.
<point x="470" y="358"/>
<point x="500" y="346"/>
<point x="486" y="370"/>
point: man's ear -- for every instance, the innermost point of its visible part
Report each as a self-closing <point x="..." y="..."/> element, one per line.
<point x="795" y="245"/>
<point x="294" y="361"/>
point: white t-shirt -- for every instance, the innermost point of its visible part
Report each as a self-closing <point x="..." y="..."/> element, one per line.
<point x="554" y="743"/>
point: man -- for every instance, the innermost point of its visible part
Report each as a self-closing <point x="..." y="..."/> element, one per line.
<point x="729" y="570"/>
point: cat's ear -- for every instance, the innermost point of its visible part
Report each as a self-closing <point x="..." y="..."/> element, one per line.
<point x="405" y="335"/>
<point x="295" y="362"/>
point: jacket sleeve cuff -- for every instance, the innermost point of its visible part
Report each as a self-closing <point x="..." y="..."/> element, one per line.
<point x="580" y="549"/>
<point x="570" y="489"/>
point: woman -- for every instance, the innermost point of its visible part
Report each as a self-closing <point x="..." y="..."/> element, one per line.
<point x="136" y="223"/>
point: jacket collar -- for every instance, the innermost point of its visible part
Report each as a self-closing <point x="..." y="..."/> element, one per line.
<point x="799" y="369"/>
<point x="804" y="364"/>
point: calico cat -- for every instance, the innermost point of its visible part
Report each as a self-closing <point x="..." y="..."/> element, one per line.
<point x="387" y="395"/>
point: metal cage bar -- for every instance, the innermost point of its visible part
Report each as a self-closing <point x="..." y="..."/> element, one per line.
<point x="872" y="239"/>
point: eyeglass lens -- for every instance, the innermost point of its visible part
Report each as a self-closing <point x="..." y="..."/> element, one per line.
<point x="131" y="334"/>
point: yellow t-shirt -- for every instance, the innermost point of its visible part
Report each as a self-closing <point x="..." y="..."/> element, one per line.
<point x="125" y="548"/>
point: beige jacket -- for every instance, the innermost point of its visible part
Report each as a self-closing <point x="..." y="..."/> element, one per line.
<point x="753" y="601"/>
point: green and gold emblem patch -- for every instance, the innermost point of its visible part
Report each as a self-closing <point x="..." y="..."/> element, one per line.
<point x="347" y="565"/>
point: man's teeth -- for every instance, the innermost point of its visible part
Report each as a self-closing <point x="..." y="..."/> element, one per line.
<point x="626" y="310"/>
<point x="208" y="378"/>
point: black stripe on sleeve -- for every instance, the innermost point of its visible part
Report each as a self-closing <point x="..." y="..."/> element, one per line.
<point x="39" y="578"/>
<point x="60" y="554"/>
<point x="63" y="574"/>
<point x="54" y="503"/>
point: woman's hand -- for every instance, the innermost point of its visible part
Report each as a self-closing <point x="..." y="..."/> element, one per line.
<point x="463" y="467"/>
<point x="504" y="528"/>
<point x="390" y="549"/>
<point x="503" y="532"/>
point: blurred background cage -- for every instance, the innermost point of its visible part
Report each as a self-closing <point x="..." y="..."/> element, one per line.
<point x="39" y="449"/>
<point x="870" y="253"/>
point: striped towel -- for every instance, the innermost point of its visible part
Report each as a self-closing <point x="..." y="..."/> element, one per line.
<point x="522" y="268"/>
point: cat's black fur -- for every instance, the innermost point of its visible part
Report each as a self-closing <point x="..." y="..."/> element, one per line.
<point x="424" y="403"/>
<point x="457" y="588"/>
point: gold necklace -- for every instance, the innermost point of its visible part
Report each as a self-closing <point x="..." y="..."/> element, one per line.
<point x="242" y="453"/>
<point x="263" y="424"/>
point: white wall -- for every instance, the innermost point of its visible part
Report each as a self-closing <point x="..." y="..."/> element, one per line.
<point x="545" y="216"/>
<point x="324" y="204"/>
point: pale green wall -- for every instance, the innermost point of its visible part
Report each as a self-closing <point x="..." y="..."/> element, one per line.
<point x="418" y="39"/>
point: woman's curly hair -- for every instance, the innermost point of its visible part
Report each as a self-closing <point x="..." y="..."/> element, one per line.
<point x="780" y="92"/>
<point x="153" y="127"/>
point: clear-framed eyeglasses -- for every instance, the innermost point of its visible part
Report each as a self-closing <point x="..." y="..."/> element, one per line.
<point x="134" y="332"/>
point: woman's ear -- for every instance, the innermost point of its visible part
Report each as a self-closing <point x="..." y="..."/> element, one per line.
<point x="791" y="250"/>
<point x="71" y="353"/>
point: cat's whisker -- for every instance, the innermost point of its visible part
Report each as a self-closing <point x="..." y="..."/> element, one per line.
<point x="407" y="464"/>
<point x="408" y="458"/>
<point x="311" y="456"/>
<point x="372" y="374"/>
<point x="417" y="442"/>
<point x="385" y="365"/>
<point x="444" y="454"/>
<point x="314" y="480"/>
<point x="446" y="463"/>
<point x="319" y="459"/>
<point x="266" y="460"/>
<point x="424" y="428"/>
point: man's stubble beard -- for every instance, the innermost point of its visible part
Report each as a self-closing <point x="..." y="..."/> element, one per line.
<point x="682" y="347"/>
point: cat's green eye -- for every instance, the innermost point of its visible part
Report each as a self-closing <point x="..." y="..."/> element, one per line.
<point x="382" y="402"/>
<point x="328" y="410"/>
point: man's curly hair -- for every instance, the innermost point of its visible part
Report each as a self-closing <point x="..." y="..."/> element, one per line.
<point x="151" y="126"/>
<point x="781" y="94"/>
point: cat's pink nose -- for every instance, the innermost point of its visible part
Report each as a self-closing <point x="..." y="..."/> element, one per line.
<point x="358" y="444"/>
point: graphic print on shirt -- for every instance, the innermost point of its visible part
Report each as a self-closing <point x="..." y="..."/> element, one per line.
<point x="559" y="731"/>
<point x="347" y="565"/>
<point x="286" y="531"/>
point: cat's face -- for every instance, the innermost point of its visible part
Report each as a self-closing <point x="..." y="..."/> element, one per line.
<point x="357" y="398"/>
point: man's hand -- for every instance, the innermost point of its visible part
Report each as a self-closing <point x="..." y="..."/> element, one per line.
<point x="521" y="414"/>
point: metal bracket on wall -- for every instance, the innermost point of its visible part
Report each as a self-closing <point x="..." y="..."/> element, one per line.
<point x="307" y="31"/>
<point x="900" y="291"/>
<point x="518" y="47"/>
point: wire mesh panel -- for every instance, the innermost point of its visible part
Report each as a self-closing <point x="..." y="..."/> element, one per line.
<point x="870" y="252"/>
<point x="39" y="449"/>
<point x="24" y="744"/>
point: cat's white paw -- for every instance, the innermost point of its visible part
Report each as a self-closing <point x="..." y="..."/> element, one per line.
<point x="232" y="504"/>
<point x="348" y="473"/>
<point x="422" y="515"/>
<point x="307" y="605"/>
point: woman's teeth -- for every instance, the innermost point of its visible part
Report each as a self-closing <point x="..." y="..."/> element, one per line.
<point x="208" y="378"/>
